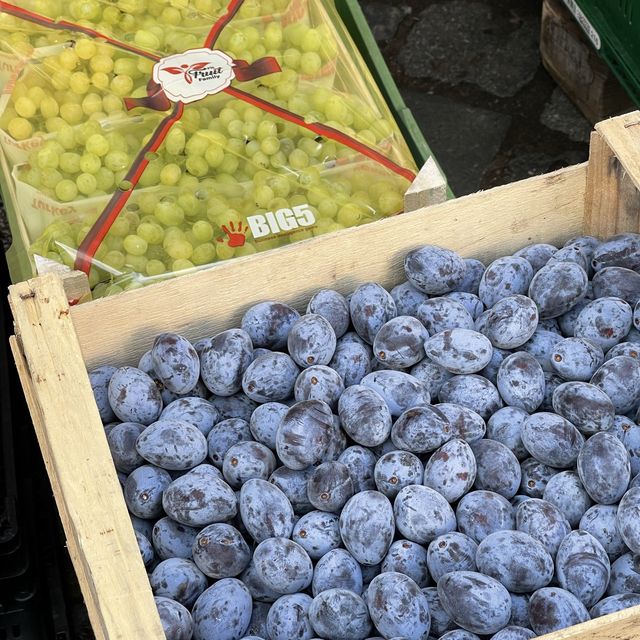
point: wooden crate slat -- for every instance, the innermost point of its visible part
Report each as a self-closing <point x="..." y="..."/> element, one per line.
<point x="84" y="480"/>
<point x="484" y="225"/>
<point x="621" y="625"/>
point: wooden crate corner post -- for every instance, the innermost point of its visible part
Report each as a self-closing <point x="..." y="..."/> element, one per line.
<point x="99" y="533"/>
<point x="612" y="202"/>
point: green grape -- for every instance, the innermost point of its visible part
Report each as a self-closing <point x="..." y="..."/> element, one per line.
<point x="390" y="203"/>
<point x="117" y="161"/>
<point x="170" y="174"/>
<point x="197" y="145"/>
<point x="97" y="144"/>
<point x="227" y="115"/>
<point x="322" y="226"/>
<point x="179" y="249"/>
<point x="135" y="245"/>
<point x="214" y="156"/>
<point x="114" y="259"/>
<point x="25" y="107"/>
<point x="112" y="104"/>
<point x="310" y="146"/>
<point x="86" y="183"/>
<point x="295" y="33"/>
<point x="122" y="85"/>
<point x="266" y="129"/>
<point x="312" y="41"/>
<point x="328" y="208"/>
<point x="202" y="231"/>
<point x="309" y="176"/>
<point x="286" y="90"/>
<point x="151" y="175"/>
<point x="246" y="250"/>
<point x="251" y="148"/>
<point x="169" y="214"/>
<point x="188" y="183"/>
<point x="120" y="228"/>
<point x="235" y="146"/>
<point x="272" y="36"/>
<point x="229" y="164"/>
<point x="105" y="179"/>
<point x="196" y="166"/>
<point x="66" y="190"/>
<point x="48" y="156"/>
<point x="298" y="159"/>
<point x="92" y="104"/>
<point x="278" y="160"/>
<point x="71" y="113"/>
<point x="100" y="80"/>
<point x="310" y="63"/>
<point x="79" y="83"/>
<point x="261" y="160"/>
<point x="49" y="107"/>
<point x="171" y="16"/>
<point x="190" y="204"/>
<point x="20" y="128"/>
<point x="270" y="145"/>
<point x="316" y="194"/>
<point x="147" y="40"/>
<point x="68" y="59"/>
<point x="85" y="49"/>
<point x="90" y="163"/>
<point x="181" y="264"/>
<point x="203" y="254"/>
<point x="50" y="178"/>
<point x="60" y="80"/>
<point x="155" y="268"/>
<point x="281" y="186"/>
<point x="175" y="141"/>
<point x="150" y="232"/>
<point x="263" y="196"/>
<point x="350" y="215"/>
<point x="224" y="251"/>
<point x="336" y="109"/>
<point x="137" y="263"/>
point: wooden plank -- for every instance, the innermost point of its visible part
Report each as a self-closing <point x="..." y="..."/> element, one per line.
<point x="623" y="136"/>
<point x="119" y="329"/>
<point x="85" y="484"/>
<point x="429" y="188"/>
<point x="622" y="625"/>
<point x="612" y="200"/>
<point x="574" y="64"/>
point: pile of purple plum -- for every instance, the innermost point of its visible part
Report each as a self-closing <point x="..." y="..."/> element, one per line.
<point x="458" y="457"/>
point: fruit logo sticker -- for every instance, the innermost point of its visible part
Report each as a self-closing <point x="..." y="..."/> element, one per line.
<point x="236" y="237"/>
<point x="193" y="75"/>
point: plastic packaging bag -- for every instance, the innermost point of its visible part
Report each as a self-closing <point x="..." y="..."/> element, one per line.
<point x="151" y="137"/>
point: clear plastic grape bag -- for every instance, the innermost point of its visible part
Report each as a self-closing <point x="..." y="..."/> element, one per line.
<point x="147" y="138"/>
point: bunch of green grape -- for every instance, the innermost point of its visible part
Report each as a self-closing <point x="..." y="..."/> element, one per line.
<point x="224" y="161"/>
<point x="162" y="26"/>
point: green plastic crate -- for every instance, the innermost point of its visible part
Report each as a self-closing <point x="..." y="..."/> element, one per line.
<point x="20" y="266"/>
<point x="613" y="26"/>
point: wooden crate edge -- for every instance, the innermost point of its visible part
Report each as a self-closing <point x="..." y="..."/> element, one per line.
<point x="99" y="533"/>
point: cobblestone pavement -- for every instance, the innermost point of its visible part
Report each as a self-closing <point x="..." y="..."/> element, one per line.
<point x="470" y="71"/>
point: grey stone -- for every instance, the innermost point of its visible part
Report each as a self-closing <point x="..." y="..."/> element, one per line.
<point x="560" y="114"/>
<point x="458" y="41"/>
<point x="463" y="139"/>
<point x="383" y="19"/>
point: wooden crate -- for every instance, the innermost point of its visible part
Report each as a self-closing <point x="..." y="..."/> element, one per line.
<point x="574" y="64"/>
<point x="54" y="344"/>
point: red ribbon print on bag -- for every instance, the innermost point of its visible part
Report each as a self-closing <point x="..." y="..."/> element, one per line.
<point x="194" y="75"/>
